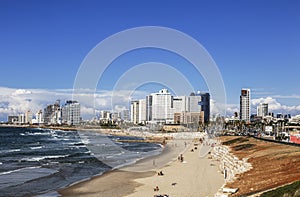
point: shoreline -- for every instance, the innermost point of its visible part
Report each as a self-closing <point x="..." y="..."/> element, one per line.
<point x="130" y="180"/>
<point x="140" y="169"/>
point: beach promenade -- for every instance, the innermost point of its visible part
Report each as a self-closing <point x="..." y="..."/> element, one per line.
<point x="195" y="175"/>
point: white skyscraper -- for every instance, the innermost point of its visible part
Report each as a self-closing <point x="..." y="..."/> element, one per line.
<point x="193" y="102"/>
<point x="142" y="110"/>
<point x="262" y="109"/>
<point x="245" y="105"/>
<point x="71" y="113"/>
<point x="162" y="106"/>
<point x="134" y="112"/>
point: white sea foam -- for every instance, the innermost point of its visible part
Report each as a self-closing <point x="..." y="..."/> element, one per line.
<point x="36" y="147"/>
<point x="44" y="157"/>
<point x="10" y="151"/>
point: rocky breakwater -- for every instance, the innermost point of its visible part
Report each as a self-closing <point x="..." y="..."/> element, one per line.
<point x="230" y="166"/>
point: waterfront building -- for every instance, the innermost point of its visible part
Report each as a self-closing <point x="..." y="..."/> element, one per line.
<point x="142" y="111"/>
<point x="21" y="119"/>
<point x="245" y="105"/>
<point x="71" y="113"/>
<point x="262" y="110"/>
<point x="134" y="112"/>
<point x="148" y="108"/>
<point x="39" y="117"/>
<point x="12" y="119"/>
<point x="162" y="107"/>
<point x="28" y="117"/>
<point x="52" y="113"/>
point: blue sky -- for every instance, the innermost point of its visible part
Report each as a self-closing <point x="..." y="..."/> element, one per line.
<point x="256" y="44"/>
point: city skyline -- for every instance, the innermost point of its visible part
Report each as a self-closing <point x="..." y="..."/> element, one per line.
<point x="255" y="45"/>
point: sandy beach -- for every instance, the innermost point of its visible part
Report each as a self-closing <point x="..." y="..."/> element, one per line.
<point x="195" y="176"/>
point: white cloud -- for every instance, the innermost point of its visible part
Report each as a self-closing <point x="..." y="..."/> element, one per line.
<point x="275" y="106"/>
<point x="21" y="91"/>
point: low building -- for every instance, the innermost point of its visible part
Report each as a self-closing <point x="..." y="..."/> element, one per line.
<point x="12" y="119"/>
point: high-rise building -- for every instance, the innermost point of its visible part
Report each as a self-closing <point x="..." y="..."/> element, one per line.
<point x="262" y="109"/>
<point x="245" y="105"/>
<point x="52" y="113"/>
<point x="134" y="112"/>
<point x="21" y="119"/>
<point x="199" y="103"/>
<point x="148" y="108"/>
<point x="205" y="106"/>
<point x="193" y="102"/>
<point x="142" y="111"/>
<point x="162" y="107"/>
<point x="39" y="117"/>
<point x="28" y="117"/>
<point x="71" y="113"/>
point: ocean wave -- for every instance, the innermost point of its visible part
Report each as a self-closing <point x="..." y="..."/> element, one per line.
<point x="44" y="157"/>
<point x="18" y="170"/>
<point x="10" y="151"/>
<point x="36" y="147"/>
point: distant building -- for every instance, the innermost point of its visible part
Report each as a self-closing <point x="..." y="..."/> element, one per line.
<point x="134" y="112"/>
<point x="12" y="119"/>
<point x="39" y="117"/>
<point x="105" y="115"/>
<point x="279" y="115"/>
<point x="28" y="117"/>
<point x="52" y="113"/>
<point x="262" y="109"/>
<point x="194" y="101"/>
<point x="205" y="106"/>
<point x="71" y="113"/>
<point x="245" y="105"/>
<point x="125" y="115"/>
<point x="21" y="119"/>
<point x="142" y="111"/>
<point x="148" y="108"/>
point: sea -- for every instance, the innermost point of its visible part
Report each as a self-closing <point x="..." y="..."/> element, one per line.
<point x="38" y="162"/>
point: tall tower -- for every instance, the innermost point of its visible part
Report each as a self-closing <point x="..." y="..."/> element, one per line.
<point x="71" y="113"/>
<point x="134" y="112"/>
<point x="245" y="105"/>
<point x="205" y="106"/>
<point x="161" y="106"/>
